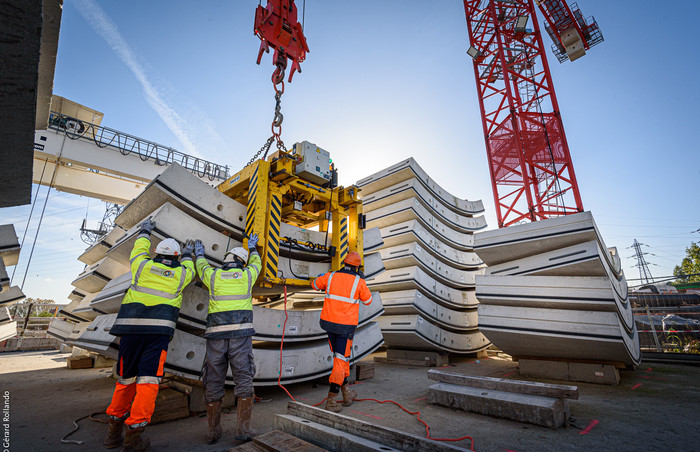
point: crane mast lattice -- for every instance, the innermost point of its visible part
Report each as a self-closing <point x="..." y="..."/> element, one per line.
<point x="532" y="174"/>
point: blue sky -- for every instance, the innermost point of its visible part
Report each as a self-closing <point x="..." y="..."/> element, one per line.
<point x="383" y="81"/>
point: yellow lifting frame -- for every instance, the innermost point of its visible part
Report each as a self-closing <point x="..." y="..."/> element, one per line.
<point x="263" y="187"/>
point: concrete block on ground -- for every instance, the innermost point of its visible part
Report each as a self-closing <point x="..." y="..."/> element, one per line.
<point x="606" y="374"/>
<point x="502" y="384"/>
<point x="326" y="437"/>
<point x="364" y="371"/>
<point x="532" y="409"/>
<point x="389" y="437"/>
<point x="102" y="361"/>
<point x="170" y="405"/>
<point x="277" y="440"/>
<point x="430" y="358"/>
<point x="64" y="348"/>
<point x="79" y="362"/>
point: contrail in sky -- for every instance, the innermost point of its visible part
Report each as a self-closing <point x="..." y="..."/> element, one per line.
<point x="99" y="22"/>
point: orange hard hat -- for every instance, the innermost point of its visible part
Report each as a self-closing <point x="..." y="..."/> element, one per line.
<point x="353" y="258"/>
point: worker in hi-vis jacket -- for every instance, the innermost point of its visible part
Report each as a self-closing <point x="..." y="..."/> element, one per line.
<point x="145" y="323"/>
<point x="229" y="334"/>
<point x="345" y="289"/>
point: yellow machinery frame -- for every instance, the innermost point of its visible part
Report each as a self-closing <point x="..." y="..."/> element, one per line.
<point x="269" y="189"/>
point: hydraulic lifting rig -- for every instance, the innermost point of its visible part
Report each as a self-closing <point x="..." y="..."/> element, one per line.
<point x="297" y="188"/>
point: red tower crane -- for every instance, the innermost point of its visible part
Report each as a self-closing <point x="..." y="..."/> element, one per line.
<point x="532" y="175"/>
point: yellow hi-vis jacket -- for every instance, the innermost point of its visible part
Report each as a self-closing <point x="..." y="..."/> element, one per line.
<point x="230" y="298"/>
<point x="152" y="303"/>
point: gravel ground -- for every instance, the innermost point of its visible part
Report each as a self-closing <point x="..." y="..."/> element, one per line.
<point x="654" y="408"/>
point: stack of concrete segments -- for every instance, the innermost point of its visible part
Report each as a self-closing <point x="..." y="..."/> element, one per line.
<point x="428" y="287"/>
<point x="553" y="290"/>
<point x="183" y="207"/>
<point x="9" y="295"/>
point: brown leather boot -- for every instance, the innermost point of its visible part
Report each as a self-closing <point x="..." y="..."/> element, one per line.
<point x="332" y="404"/>
<point x="133" y="441"/>
<point x="244" y="411"/>
<point x="214" y="418"/>
<point x="348" y="395"/>
<point x="114" y="435"/>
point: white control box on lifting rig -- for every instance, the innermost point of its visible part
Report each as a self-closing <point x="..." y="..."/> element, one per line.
<point x="313" y="163"/>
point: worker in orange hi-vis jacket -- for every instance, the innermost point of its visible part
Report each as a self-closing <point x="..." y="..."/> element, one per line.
<point x="345" y="290"/>
<point x="146" y="324"/>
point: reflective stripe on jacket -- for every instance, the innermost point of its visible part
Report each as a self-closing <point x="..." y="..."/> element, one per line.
<point x="152" y="303"/>
<point x="344" y="289"/>
<point x="230" y="298"/>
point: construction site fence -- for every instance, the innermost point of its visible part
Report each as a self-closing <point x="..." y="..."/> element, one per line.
<point x="126" y="144"/>
<point x="667" y="323"/>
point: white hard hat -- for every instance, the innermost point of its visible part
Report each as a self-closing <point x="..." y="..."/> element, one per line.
<point x="168" y="247"/>
<point x="238" y="251"/>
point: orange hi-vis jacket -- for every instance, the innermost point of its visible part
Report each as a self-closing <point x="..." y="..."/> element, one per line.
<point x="344" y="289"/>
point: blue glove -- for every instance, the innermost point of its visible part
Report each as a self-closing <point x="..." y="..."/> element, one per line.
<point x="252" y="241"/>
<point x="189" y="248"/>
<point x="147" y="226"/>
<point x="198" y="248"/>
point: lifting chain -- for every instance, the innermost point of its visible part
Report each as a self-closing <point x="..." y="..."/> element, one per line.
<point x="277" y="79"/>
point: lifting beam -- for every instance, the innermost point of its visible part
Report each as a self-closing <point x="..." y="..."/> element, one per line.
<point x="274" y="194"/>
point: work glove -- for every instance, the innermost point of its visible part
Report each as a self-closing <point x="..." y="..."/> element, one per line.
<point x="147" y="226"/>
<point x="189" y="248"/>
<point x="252" y="241"/>
<point x="198" y="248"/>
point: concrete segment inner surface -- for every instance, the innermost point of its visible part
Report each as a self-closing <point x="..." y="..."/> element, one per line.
<point x="409" y="169"/>
<point x="649" y="410"/>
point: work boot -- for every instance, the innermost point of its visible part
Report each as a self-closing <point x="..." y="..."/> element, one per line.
<point x="214" y="418"/>
<point x="114" y="435"/>
<point x="133" y="441"/>
<point x="332" y="404"/>
<point x="348" y="395"/>
<point x="244" y="411"/>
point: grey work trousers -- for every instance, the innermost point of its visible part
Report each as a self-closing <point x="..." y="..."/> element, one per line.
<point x="236" y="352"/>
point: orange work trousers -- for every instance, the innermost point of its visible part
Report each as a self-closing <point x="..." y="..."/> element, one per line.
<point x="140" y="367"/>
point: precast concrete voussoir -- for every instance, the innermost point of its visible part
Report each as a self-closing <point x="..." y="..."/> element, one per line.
<point x="96" y="338"/>
<point x="412" y="231"/>
<point x="4" y="277"/>
<point x="579" y="293"/>
<point x="10" y="296"/>
<point x="413" y="188"/>
<point x="559" y="334"/>
<point x="417" y="333"/>
<point x="412" y="302"/>
<point x="301" y="361"/>
<point x="9" y="245"/>
<point x="405" y="191"/>
<point x="412" y="209"/>
<point x="62" y="329"/>
<point x="96" y="276"/>
<point x="97" y="251"/>
<point x="410" y="254"/>
<point x="408" y="169"/>
<point x="415" y="278"/>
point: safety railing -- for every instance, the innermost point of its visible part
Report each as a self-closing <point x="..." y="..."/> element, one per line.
<point x="126" y="144"/>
